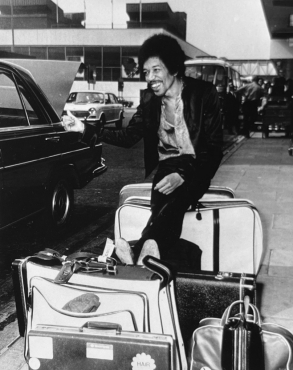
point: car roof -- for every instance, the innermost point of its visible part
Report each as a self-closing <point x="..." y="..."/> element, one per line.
<point x="211" y="61"/>
<point x="91" y="91"/>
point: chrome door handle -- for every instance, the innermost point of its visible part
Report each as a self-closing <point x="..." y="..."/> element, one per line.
<point x="53" y="138"/>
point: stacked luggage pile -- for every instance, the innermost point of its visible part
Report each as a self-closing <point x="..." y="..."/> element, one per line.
<point x="88" y="312"/>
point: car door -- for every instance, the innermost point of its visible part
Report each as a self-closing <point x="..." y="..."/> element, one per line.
<point x="27" y="148"/>
<point x="115" y="107"/>
<point x="107" y="108"/>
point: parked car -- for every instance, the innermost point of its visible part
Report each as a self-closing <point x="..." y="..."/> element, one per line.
<point x="225" y="77"/>
<point x="95" y="106"/>
<point x="125" y="103"/>
<point x="40" y="162"/>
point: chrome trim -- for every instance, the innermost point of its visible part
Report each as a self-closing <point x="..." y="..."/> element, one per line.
<point x="49" y="157"/>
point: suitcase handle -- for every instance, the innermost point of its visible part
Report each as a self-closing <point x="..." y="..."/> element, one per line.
<point x="103" y="326"/>
<point x="155" y="265"/>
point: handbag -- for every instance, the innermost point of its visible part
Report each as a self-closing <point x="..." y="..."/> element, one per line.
<point x="240" y="342"/>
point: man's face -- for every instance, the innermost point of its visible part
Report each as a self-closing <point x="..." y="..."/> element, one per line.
<point x="157" y="76"/>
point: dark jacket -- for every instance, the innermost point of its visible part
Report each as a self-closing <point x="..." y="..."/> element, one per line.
<point x="200" y="98"/>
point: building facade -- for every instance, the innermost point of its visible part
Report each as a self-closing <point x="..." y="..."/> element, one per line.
<point x="106" y="55"/>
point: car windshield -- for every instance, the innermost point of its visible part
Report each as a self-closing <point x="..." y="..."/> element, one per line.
<point x="85" y="97"/>
<point x="211" y="73"/>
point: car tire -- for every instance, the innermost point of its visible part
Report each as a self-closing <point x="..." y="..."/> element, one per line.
<point x="119" y="123"/>
<point x="102" y="123"/>
<point x="60" y="203"/>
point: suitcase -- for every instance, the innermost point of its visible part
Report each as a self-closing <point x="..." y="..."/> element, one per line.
<point x="228" y="232"/>
<point x="143" y="191"/>
<point x="139" y="299"/>
<point x="207" y="294"/>
<point x="98" y="346"/>
<point x="229" y="235"/>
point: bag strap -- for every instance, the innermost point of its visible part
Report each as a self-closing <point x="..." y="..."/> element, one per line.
<point x="80" y="261"/>
<point x="255" y="317"/>
<point x="216" y="240"/>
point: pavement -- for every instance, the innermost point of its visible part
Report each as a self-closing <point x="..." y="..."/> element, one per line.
<point x="259" y="170"/>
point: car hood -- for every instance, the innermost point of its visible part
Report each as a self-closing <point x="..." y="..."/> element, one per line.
<point x="55" y="78"/>
<point x="82" y="107"/>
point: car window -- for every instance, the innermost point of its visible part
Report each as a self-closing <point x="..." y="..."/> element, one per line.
<point x="220" y="77"/>
<point x="107" y="99"/>
<point x="12" y="112"/>
<point x="112" y="99"/>
<point x="19" y="106"/>
<point x="85" y="97"/>
<point x="194" y="71"/>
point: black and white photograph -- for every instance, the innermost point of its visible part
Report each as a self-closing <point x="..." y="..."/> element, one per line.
<point x="146" y="184"/>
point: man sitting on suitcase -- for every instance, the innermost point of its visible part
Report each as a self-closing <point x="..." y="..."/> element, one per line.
<point x="179" y="119"/>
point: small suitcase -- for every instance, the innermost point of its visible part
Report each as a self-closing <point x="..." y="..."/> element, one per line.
<point x="143" y="191"/>
<point x="206" y="294"/>
<point x="98" y="345"/>
<point x="228" y="232"/>
<point x="148" y="306"/>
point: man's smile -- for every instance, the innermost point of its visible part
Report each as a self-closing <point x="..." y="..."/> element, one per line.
<point x="155" y="85"/>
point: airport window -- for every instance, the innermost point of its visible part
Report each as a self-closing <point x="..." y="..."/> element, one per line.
<point x="5" y="48"/>
<point x="111" y="57"/>
<point x="21" y="50"/>
<point x="38" y="52"/>
<point x="56" y="53"/>
<point x="111" y="74"/>
<point x="74" y="51"/>
<point x="130" y="68"/>
<point x="93" y="56"/>
<point x="130" y="51"/>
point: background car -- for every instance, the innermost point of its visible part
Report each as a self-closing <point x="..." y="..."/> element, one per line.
<point x="125" y="103"/>
<point x="225" y="77"/>
<point x="95" y="106"/>
<point x="40" y="162"/>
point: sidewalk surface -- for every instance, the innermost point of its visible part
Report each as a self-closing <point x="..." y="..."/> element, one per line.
<point x="259" y="170"/>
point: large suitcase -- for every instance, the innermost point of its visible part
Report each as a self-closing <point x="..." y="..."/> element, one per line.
<point x="228" y="232"/>
<point x="143" y="191"/>
<point x="98" y="346"/>
<point x="139" y="299"/>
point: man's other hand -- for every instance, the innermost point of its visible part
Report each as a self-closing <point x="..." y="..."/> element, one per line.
<point x="169" y="183"/>
<point x="71" y="123"/>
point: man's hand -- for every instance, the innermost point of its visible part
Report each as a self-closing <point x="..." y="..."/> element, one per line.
<point x="71" y="123"/>
<point x="169" y="183"/>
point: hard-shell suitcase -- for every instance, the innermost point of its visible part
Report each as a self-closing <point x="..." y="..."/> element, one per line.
<point x="228" y="232"/>
<point x="148" y="303"/>
<point x="98" y="345"/>
<point x="204" y="294"/>
<point x="143" y="191"/>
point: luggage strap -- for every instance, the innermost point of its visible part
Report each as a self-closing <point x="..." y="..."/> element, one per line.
<point x="80" y="261"/>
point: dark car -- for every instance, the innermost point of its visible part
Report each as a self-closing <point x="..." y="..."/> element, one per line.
<point x="41" y="163"/>
<point x="125" y="103"/>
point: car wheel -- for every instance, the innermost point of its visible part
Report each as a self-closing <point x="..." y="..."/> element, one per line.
<point x="119" y="122"/>
<point x="102" y="123"/>
<point x="60" y="203"/>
